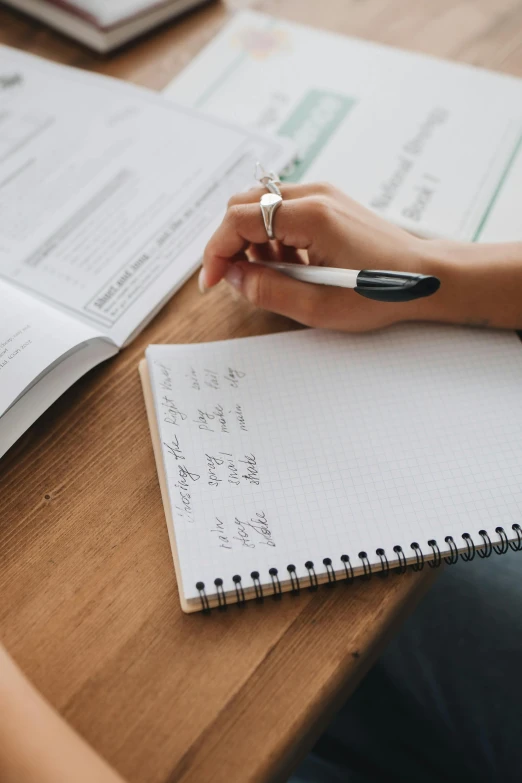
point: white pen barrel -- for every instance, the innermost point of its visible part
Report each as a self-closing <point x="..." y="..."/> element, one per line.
<point x="342" y="278"/>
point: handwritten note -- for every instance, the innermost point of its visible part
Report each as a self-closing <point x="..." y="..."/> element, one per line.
<point x="312" y="446"/>
<point x="207" y="450"/>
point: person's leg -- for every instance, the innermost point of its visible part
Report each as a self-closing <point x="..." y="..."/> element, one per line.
<point x="444" y="700"/>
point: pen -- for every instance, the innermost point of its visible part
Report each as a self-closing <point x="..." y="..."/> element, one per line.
<point x="376" y="284"/>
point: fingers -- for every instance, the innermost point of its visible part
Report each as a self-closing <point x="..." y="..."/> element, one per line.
<point x="296" y="223"/>
<point x="319" y="306"/>
<point x="275" y="251"/>
<point x="266" y="251"/>
<point x="270" y="290"/>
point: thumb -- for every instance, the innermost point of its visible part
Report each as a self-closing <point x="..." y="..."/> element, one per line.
<point x="274" y="291"/>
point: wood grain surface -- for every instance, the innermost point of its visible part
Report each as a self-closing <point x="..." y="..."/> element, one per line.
<point x="88" y="598"/>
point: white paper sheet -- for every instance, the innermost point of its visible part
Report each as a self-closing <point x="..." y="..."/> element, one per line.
<point x="53" y="383"/>
<point x="33" y="338"/>
<point x="114" y="12"/>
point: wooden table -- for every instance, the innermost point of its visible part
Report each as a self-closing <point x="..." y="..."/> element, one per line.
<point x="89" y="603"/>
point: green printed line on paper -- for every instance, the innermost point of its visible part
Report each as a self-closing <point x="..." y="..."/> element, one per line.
<point x="312" y="125"/>
<point x="494" y="198"/>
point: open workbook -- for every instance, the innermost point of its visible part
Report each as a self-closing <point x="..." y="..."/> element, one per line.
<point x="294" y="459"/>
<point x="108" y="194"/>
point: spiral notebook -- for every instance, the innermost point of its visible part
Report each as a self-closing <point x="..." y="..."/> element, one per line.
<point x="295" y="459"/>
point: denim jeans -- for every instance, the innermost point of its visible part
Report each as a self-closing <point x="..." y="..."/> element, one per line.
<point x="444" y="702"/>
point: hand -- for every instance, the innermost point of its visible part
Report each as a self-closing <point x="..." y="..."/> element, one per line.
<point x="315" y="224"/>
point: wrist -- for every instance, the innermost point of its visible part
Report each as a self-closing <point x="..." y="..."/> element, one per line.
<point x="442" y="259"/>
<point x="481" y="285"/>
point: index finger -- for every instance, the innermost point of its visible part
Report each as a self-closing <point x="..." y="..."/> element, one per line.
<point x="295" y="223"/>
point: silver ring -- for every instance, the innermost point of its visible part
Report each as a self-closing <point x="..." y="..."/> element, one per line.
<point x="269" y="203"/>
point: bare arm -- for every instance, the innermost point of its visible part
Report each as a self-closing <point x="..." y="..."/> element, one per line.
<point x="36" y="745"/>
<point x="483" y="284"/>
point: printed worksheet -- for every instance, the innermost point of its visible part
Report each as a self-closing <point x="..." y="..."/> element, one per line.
<point x="108" y="192"/>
<point x="432" y="145"/>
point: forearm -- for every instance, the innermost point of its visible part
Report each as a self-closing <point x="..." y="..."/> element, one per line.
<point x="481" y="285"/>
<point x="36" y="745"/>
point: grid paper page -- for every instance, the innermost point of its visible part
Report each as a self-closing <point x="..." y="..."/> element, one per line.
<point x="309" y="445"/>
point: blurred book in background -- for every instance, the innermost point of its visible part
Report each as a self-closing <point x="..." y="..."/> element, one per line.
<point x="104" y="24"/>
